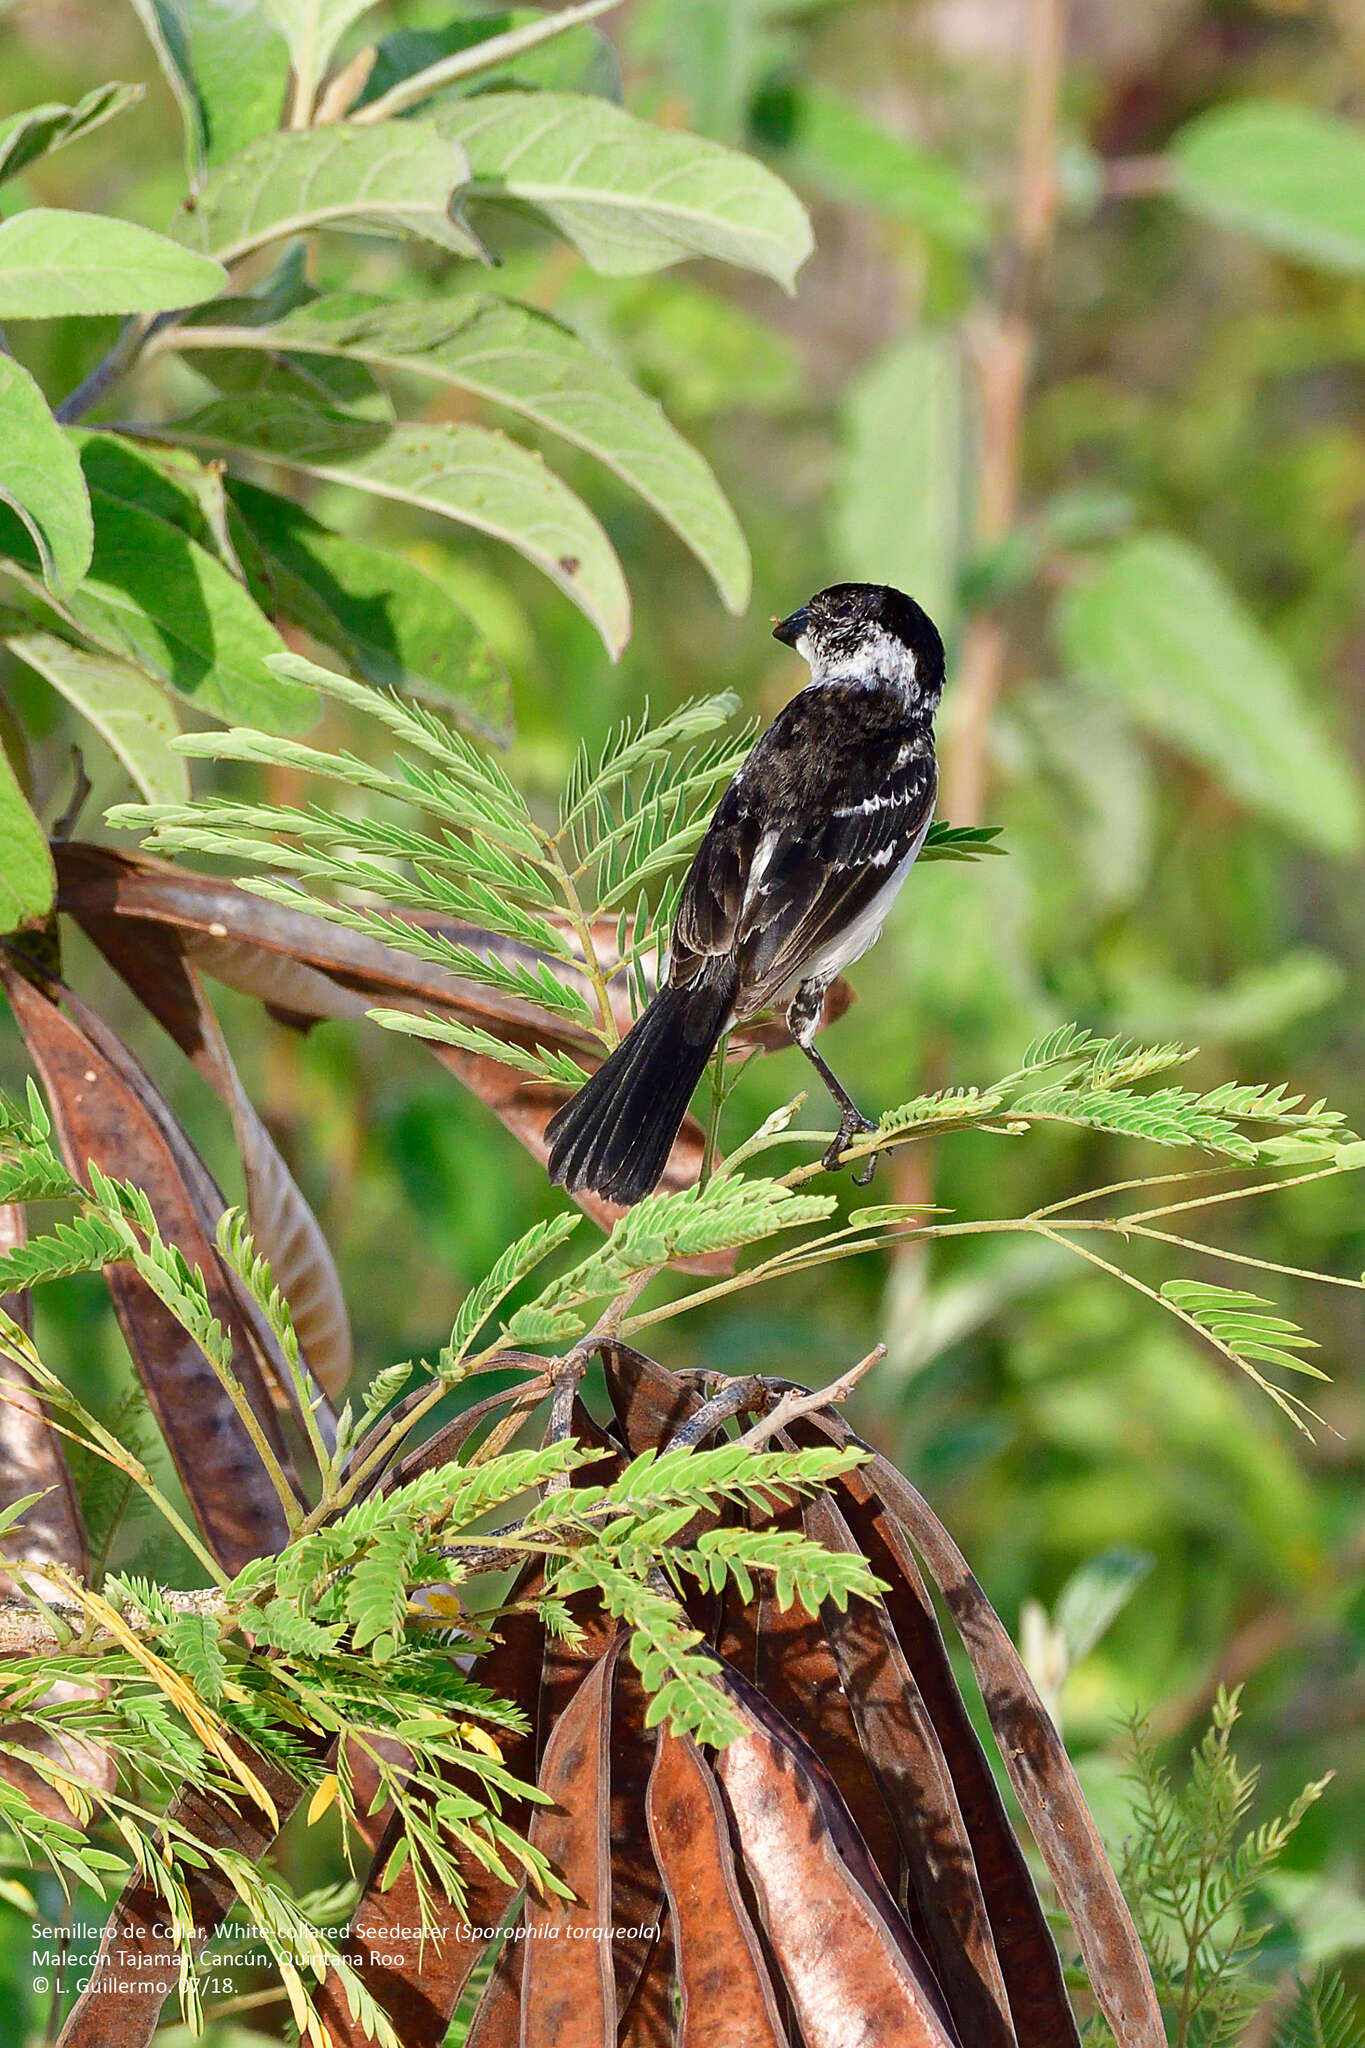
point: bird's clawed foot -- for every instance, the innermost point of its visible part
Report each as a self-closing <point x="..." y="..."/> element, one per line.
<point x="851" y="1124"/>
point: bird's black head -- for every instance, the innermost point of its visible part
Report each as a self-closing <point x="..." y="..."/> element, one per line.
<point x="868" y="633"/>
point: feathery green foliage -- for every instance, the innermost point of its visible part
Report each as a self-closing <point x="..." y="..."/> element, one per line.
<point x="1191" y="1872"/>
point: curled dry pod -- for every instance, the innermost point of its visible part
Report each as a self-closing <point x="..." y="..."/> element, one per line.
<point x="418" y="1983"/>
<point x="1032" y="1969"/>
<point x="1034" y="1756"/>
<point x="105" y="1110"/>
<point x="907" y="1760"/>
<point x="568" y="1986"/>
<point x="726" y="1991"/>
<point x="32" y="1460"/>
<point x="152" y="959"/>
<point x="303" y="968"/>
<point x="136" y="1968"/>
<point x="839" y="1938"/>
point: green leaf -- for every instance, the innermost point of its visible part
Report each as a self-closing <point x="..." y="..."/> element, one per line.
<point x="122" y="703"/>
<point x="39" y="130"/>
<point x="699" y="352"/>
<point x="28" y="881"/>
<point x="395" y="625"/>
<point x="40" y="476"/>
<point x="56" y="263"/>
<point x="528" y="362"/>
<point x="960" y="842"/>
<point x="377" y="1596"/>
<point x="1160" y="627"/>
<point x="1322" y="2015"/>
<point x="629" y="196"/>
<point x="399" y="178"/>
<point x="192" y="1640"/>
<point x="255" y="370"/>
<point x="578" y="59"/>
<point x="543" y="1064"/>
<point x="833" y="143"/>
<point x="165" y="481"/>
<point x="1096" y="1594"/>
<point x="81" y="1246"/>
<point x="226" y="67"/>
<point x="470" y="474"/>
<point x="904" y="421"/>
<point x="1238" y="1323"/>
<point x="1291" y="176"/>
<point x="516" y="1262"/>
<point x="156" y="597"/>
<point x="313" y="28"/>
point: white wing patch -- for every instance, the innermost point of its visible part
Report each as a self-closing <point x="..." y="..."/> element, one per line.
<point x="758" y="867"/>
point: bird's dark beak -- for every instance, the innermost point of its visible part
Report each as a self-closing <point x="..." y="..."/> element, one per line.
<point x="790" y="629"/>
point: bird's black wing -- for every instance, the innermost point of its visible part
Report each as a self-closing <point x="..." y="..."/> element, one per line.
<point x="831" y="800"/>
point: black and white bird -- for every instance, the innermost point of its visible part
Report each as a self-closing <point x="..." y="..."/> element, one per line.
<point x="793" y="880"/>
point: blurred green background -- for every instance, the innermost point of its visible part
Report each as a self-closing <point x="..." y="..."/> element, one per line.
<point x="1147" y="566"/>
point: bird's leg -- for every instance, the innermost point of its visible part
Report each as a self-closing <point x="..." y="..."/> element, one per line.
<point x="803" y="1014"/>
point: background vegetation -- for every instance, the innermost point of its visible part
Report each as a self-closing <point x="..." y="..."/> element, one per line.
<point x="1107" y="425"/>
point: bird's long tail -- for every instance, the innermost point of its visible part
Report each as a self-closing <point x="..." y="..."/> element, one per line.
<point x="615" y="1136"/>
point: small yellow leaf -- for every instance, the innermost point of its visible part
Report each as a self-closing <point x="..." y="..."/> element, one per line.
<point x="322" y="1798"/>
<point x="442" y="1603"/>
<point x="479" y="1738"/>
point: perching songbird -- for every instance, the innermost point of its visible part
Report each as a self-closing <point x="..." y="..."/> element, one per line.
<point x="793" y="880"/>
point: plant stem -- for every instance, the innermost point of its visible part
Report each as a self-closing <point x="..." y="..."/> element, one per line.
<point x="582" y="925"/>
<point x="718" y="1092"/>
<point x="1004" y="353"/>
<point x="495" y="50"/>
<point x="106" y="373"/>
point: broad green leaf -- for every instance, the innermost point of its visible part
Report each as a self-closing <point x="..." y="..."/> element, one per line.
<point x="578" y="60"/>
<point x="1159" y="626"/>
<point x="629" y="196"/>
<point x="1291" y="176"/>
<point x="55" y="263"/>
<point x="897" y="509"/>
<point x="165" y="481"/>
<point x="393" y="624"/>
<point x="470" y="474"/>
<point x="39" y="130"/>
<point x="313" y="28"/>
<point x="833" y="143"/>
<point x="339" y="383"/>
<point x="527" y="361"/>
<point x="124" y="705"/>
<point x="157" y="598"/>
<point x="402" y="177"/>
<point x="28" y="882"/>
<point x="227" y="69"/>
<point x="40" y="476"/>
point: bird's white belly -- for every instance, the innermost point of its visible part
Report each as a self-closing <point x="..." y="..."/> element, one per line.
<point x="855" y="939"/>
